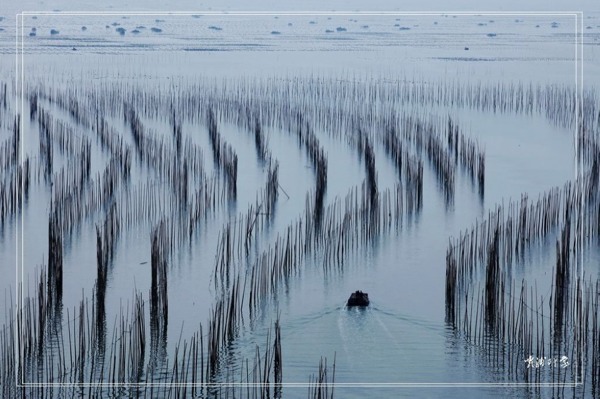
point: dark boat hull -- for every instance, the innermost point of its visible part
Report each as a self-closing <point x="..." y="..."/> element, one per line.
<point x="358" y="298"/>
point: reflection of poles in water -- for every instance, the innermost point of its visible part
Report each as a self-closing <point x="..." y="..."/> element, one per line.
<point x="336" y="230"/>
<point x="158" y="295"/>
<point x="371" y="171"/>
<point x="562" y="280"/>
<point x="498" y="314"/>
<point x="55" y="258"/>
<point x="493" y="283"/>
<point x="106" y="239"/>
<point x="319" y="386"/>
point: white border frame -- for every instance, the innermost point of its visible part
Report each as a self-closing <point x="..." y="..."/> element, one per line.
<point x="20" y="90"/>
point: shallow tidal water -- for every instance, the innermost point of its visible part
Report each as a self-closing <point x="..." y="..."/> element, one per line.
<point x="402" y="337"/>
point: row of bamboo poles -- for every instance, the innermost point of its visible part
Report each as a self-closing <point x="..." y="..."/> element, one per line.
<point x="75" y="355"/>
<point x="512" y="321"/>
<point x="327" y="231"/>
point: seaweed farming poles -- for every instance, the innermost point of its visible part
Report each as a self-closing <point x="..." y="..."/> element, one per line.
<point x="223" y="155"/>
<point x="156" y="153"/>
<point x="442" y="165"/>
<point x="318" y="158"/>
<point x="320" y="163"/>
<point x="4" y="103"/>
<point x="14" y="190"/>
<point x="347" y="226"/>
<point x="223" y="325"/>
<point x="555" y="102"/>
<point x="122" y="366"/>
<point x="408" y="167"/>
<point x="589" y="227"/>
<point x="15" y="175"/>
<point x="505" y="234"/>
<point x="8" y="360"/>
<point x="238" y="234"/>
<point x="69" y="98"/>
<point x="106" y="240"/>
<point x="427" y="140"/>
<point x="511" y="325"/>
<point x="261" y="142"/>
<point x="46" y="151"/>
<point x="160" y="249"/>
<point x="320" y="386"/>
<point x="191" y="374"/>
<point x="592" y="305"/>
<point x="159" y="306"/>
<point x="272" y="188"/>
<point x="588" y="148"/>
<point x="278" y="101"/>
<point x="493" y="283"/>
<point x="371" y="219"/>
<point x="64" y="352"/>
<point x="440" y="140"/>
<point x="110" y="139"/>
<point x="467" y="153"/>
<point x="9" y="149"/>
<point x="77" y="201"/>
<point x="55" y="258"/>
<point x="562" y="278"/>
<point x="371" y="172"/>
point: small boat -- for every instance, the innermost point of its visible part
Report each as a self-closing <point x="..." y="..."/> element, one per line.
<point x="358" y="298"/>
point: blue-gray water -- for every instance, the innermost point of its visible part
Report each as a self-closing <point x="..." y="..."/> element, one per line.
<point x="402" y="336"/>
